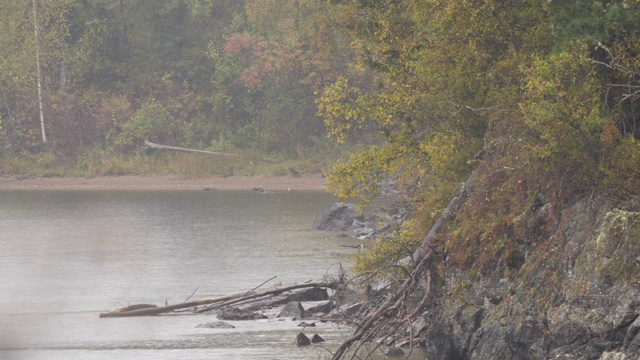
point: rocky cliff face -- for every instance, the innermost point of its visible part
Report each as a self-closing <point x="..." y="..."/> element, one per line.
<point x="573" y="294"/>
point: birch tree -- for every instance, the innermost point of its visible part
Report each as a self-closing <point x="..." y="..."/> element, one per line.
<point x="35" y="28"/>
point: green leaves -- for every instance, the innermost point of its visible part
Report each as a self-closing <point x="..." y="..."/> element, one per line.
<point x="563" y="103"/>
<point x="541" y="85"/>
<point x="596" y="21"/>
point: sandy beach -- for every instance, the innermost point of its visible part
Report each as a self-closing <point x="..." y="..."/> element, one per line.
<point x="277" y="183"/>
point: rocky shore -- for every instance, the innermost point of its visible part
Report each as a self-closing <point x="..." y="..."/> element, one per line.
<point x="574" y="300"/>
<point x="575" y="294"/>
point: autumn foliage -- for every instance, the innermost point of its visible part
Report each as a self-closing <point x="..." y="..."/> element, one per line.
<point x="548" y="90"/>
<point x="540" y="90"/>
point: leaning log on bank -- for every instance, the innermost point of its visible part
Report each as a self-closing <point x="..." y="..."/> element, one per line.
<point x="155" y="146"/>
<point x="402" y="307"/>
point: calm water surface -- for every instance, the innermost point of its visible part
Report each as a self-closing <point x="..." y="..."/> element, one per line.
<point x="66" y="256"/>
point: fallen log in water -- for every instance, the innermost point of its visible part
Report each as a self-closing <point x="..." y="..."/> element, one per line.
<point x="215" y="303"/>
<point x="155" y="310"/>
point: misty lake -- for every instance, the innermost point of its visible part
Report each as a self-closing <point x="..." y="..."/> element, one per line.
<point x="69" y="255"/>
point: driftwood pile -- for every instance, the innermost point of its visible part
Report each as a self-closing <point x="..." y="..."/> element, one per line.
<point x="396" y="311"/>
<point x="200" y="306"/>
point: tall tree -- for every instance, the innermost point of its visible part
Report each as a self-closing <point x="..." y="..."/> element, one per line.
<point x="35" y="27"/>
<point x="21" y="100"/>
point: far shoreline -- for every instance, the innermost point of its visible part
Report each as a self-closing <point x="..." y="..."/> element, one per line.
<point x="137" y="182"/>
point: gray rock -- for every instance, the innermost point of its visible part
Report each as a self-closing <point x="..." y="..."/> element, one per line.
<point x="216" y="325"/>
<point x="311" y="294"/>
<point x="364" y="232"/>
<point x="394" y="352"/>
<point x="420" y="324"/>
<point x="346" y="296"/>
<point x="316" y="339"/>
<point x="261" y="190"/>
<point x="324" y="307"/>
<point x="338" y="216"/>
<point x="632" y="338"/>
<point x="293" y="309"/>
<point x="302" y="340"/>
<point x="238" y="314"/>
<point x="348" y="310"/>
<point x="579" y="301"/>
<point x="305" y="324"/>
<point x="382" y="223"/>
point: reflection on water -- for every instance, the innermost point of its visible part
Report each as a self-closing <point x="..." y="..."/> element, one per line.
<point x="69" y="255"/>
<point x="96" y="250"/>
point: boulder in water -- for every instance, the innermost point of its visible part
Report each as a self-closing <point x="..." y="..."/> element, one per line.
<point x="338" y="216"/>
<point x="302" y="340"/>
<point x="306" y="324"/>
<point x="316" y="339"/>
<point x="216" y="325"/>
<point x="293" y="309"/>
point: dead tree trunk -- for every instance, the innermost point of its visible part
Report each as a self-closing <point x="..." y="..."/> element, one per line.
<point x="457" y="200"/>
<point x="147" y="311"/>
<point x="155" y="146"/>
<point x="151" y="145"/>
<point x="35" y="27"/>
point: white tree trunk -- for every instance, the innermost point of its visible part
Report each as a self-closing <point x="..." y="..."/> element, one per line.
<point x="35" y="26"/>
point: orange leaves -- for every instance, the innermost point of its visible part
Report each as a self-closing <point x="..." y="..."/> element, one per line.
<point x="610" y="133"/>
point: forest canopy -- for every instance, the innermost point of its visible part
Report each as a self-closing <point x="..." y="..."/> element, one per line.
<point x="413" y="88"/>
<point x="193" y="73"/>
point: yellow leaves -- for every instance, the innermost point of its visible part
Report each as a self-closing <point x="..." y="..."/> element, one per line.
<point x="338" y="108"/>
<point x="441" y="148"/>
<point x="562" y="103"/>
<point x="346" y="108"/>
<point x="360" y="176"/>
<point x="566" y="110"/>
